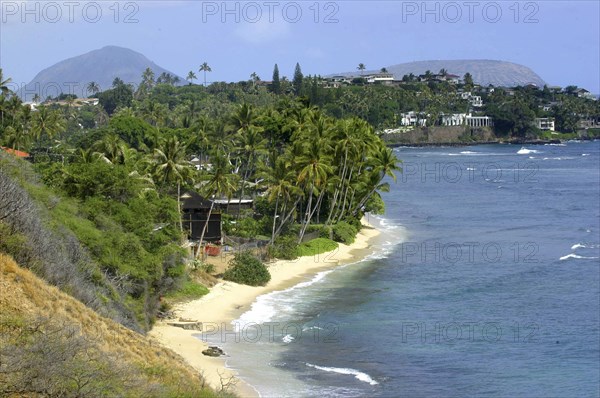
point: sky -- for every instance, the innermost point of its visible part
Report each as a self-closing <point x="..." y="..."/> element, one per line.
<point x="559" y="40"/>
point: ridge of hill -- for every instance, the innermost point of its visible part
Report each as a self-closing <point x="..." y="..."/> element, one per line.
<point x="52" y="344"/>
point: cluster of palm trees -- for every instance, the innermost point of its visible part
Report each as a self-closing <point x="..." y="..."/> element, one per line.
<point x="20" y="125"/>
<point x="328" y="169"/>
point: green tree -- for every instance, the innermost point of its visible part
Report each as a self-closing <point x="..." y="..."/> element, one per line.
<point x="111" y="148"/>
<point x="468" y="81"/>
<point x="276" y="84"/>
<point x="191" y="76"/>
<point x="93" y="88"/>
<point x="298" y="80"/>
<point x="47" y="122"/>
<point x="219" y="181"/>
<point x="314" y="167"/>
<point x="169" y="165"/>
<point x="4" y="89"/>
<point x="383" y="163"/>
<point x="146" y="85"/>
<point x="361" y="67"/>
<point x="205" y="68"/>
<point x="120" y="96"/>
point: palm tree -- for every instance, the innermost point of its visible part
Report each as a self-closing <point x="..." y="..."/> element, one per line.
<point x="117" y="82"/>
<point x="170" y="165"/>
<point x="16" y="138"/>
<point x="218" y="182"/>
<point x="4" y="84"/>
<point x="191" y="77"/>
<point x="361" y="67"/>
<point x="111" y="148"/>
<point x="205" y="68"/>
<point x="383" y="70"/>
<point x="250" y="142"/>
<point x="314" y="169"/>
<point x="279" y="179"/>
<point x="384" y="162"/>
<point x="36" y="98"/>
<point x="47" y="122"/>
<point x="93" y="88"/>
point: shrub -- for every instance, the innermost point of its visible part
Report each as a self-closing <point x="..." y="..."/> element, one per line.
<point x="246" y="269"/>
<point x="326" y="232"/>
<point x="285" y="248"/>
<point x="317" y="246"/>
<point x="344" y="232"/>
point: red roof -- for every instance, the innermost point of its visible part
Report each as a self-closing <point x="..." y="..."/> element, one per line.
<point x="15" y="152"/>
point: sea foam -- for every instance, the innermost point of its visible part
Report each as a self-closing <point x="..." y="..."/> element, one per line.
<point x="268" y="305"/>
<point x="573" y="255"/>
<point x="287" y="338"/>
<point x="347" y="371"/>
<point x="525" y="151"/>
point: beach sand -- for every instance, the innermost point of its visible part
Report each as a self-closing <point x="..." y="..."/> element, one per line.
<point x="226" y="301"/>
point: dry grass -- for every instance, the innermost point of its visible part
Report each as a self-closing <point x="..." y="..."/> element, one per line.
<point x="25" y="296"/>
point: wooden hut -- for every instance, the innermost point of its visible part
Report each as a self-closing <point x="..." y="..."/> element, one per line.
<point x="195" y="210"/>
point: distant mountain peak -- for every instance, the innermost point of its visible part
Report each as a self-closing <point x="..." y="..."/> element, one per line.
<point x="102" y="66"/>
<point x="484" y="71"/>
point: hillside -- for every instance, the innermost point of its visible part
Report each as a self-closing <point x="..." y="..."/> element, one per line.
<point x="101" y="66"/>
<point x="484" y="72"/>
<point x="53" y="345"/>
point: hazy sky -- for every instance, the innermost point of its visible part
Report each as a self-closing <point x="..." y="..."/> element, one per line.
<point x="559" y="40"/>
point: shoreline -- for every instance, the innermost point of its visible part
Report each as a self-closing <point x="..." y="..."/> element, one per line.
<point x="226" y="301"/>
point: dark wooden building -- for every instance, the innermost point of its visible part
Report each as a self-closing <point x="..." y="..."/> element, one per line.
<point x="195" y="210"/>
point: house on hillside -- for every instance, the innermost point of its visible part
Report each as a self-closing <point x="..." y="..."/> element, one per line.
<point x="379" y="77"/>
<point x="583" y="93"/>
<point x="454" y="79"/>
<point x="413" y="118"/>
<point x="544" y="123"/>
<point x="195" y="211"/>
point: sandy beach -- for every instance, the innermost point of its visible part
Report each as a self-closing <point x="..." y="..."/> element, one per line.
<point x="227" y="301"/>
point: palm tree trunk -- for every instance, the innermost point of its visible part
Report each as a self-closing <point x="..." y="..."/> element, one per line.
<point x="307" y="214"/>
<point x="212" y="203"/>
<point x="274" y="221"/>
<point x="287" y="217"/>
<point x="179" y="206"/>
<point x="317" y="205"/>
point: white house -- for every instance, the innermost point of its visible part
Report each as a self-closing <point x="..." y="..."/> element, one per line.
<point x="474" y="100"/>
<point x="412" y="118"/>
<point x="455" y="119"/>
<point x="479" y="121"/>
<point x="379" y="77"/>
<point x="544" y="123"/>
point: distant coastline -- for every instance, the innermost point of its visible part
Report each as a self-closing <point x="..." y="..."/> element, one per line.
<point x="456" y="136"/>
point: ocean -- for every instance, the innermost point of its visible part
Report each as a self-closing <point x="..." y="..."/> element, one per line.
<point x="485" y="282"/>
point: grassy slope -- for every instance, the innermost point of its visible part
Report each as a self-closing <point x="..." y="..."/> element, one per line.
<point x="24" y="297"/>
